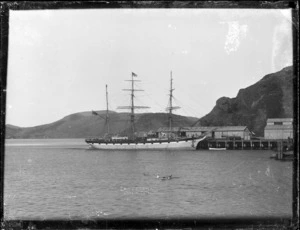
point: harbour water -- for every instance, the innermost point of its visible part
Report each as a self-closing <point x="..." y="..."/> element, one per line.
<point x="62" y="178"/>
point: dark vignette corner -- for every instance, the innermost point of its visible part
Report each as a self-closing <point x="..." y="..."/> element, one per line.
<point x="3" y="73"/>
<point x="295" y="31"/>
<point x="266" y="223"/>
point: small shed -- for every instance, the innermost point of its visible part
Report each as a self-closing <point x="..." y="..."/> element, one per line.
<point x="279" y="128"/>
<point x="166" y="132"/>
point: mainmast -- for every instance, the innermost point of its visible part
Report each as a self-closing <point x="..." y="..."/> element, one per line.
<point x="107" y="117"/>
<point x="132" y="106"/>
<point x="171" y="107"/>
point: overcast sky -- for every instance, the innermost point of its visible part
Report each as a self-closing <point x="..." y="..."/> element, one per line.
<point x="60" y="60"/>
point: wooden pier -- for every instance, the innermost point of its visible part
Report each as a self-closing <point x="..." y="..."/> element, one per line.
<point x="262" y="144"/>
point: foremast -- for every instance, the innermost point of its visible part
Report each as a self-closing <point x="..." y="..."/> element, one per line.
<point x="132" y="107"/>
<point x="107" y="114"/>
<point x="170" y="108"/>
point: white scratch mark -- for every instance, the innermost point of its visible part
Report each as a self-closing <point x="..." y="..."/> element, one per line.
<point x="172" y="27"/>
<point x="267" y="171"/>
<point x="236" y="32"/>
<point x="281" y="45"/>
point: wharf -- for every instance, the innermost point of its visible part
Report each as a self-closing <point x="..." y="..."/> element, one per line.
<point x="261" y="144"/>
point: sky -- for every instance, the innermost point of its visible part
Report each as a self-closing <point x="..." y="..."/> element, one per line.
<point x="59" y="61"/>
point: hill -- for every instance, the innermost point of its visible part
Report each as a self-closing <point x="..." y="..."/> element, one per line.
<point x="11" y="131"/>
<point x="84" y="124"/>
<point x="271" y="97"/>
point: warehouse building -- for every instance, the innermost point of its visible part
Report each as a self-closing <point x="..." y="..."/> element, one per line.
<point x="279" y="128"/>
<point x="220" y="132"/>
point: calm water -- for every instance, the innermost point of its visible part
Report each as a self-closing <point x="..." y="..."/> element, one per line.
<point x="63" y="179"/>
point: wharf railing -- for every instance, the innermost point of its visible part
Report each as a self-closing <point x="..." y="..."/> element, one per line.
<point x="261" y="144"/>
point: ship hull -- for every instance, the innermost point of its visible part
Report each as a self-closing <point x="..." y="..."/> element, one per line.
<point x="182" y="144"/>
<point x="217" y="149"/>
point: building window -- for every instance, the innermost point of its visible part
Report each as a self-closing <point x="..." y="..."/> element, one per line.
<point x="278" y="123"/>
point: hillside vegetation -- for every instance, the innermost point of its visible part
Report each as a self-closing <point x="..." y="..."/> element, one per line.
<point x="271" y="97"/>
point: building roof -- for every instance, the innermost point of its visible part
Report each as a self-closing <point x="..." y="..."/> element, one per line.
<point x="204" y="129"/>
<point x="279" y="120"/>
<point x="198" y="129"/>
<point x="279" y="127"/>
<point x="214" y="128"/>
<point x="167" y="129"/>
<point x="231" y="128"/>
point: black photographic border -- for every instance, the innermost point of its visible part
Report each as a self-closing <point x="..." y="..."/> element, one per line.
<point x="230" y="222"/>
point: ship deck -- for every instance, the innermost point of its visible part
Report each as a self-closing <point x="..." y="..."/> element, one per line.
<point x="103" y="141"/>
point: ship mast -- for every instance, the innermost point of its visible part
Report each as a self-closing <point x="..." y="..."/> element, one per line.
<point x="107" y="118"/>
<point x="171" y="107"/>
<point x="107" y="113"/>
<point x="132" y="107"/>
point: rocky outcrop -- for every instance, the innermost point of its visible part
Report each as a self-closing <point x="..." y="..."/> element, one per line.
<point x="271" y="97"/>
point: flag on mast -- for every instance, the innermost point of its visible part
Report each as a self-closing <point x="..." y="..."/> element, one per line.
<point x="94" y="113"/>
<point x="134" y="75"/>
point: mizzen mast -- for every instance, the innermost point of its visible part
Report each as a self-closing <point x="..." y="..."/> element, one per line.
<point x="171" y="107"/>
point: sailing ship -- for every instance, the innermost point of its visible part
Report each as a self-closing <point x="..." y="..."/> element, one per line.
<point x="131" y="141"/>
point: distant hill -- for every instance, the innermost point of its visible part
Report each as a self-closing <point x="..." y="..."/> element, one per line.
<point x="84" y="124"/>
<point x="271" y="97"/>
<point x="11" y="131"/>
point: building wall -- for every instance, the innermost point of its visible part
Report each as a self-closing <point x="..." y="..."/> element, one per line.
<point x="168" y="134"/>
<point x="278" y="134"/>
<point x="196" y="133"/>
<point x="279" y="128"/>
<point x="283" y="121"/>
<point x="243" y="134"/>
